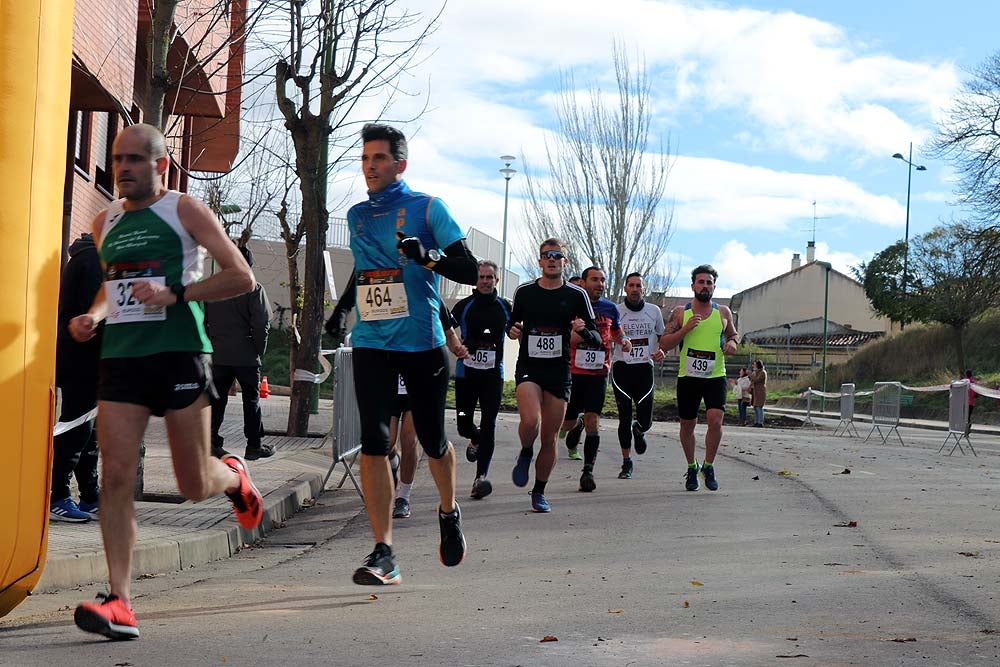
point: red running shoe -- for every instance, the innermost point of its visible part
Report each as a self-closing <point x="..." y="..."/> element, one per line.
<point x="110" y="618"/>
<point x="247" y="501"/>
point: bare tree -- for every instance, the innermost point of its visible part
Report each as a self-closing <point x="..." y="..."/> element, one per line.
<point x="970" y="138"/>
<point x="603" y="194"/>
<point x="348" y="51"/>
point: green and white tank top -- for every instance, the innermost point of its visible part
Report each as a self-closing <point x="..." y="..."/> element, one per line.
<point x="150" y="244"/>
<point x="701" y="351"/>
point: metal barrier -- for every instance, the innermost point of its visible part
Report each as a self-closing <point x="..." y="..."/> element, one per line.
<point x="885" y="411"/>
<point x="809" y="407"/>
<point x="958" y="418"/>
<point x="847" y="411"/>
<point x="346" y="430"/>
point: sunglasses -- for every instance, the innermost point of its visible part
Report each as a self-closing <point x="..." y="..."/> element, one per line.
<point x="553" y="254"/>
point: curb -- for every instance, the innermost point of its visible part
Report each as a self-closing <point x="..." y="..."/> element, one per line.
<point x="184" y="551"/>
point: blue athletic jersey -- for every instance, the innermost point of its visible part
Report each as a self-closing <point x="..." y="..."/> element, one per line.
<point x="373" y="225"/>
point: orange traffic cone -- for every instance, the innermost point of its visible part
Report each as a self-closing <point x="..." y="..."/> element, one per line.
<point x="264" y="392"/>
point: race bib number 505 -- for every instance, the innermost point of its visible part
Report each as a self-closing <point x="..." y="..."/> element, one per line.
<point x="382" y="295"/>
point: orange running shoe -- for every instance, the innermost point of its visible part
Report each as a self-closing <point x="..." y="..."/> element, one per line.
<point x="110" y="618"/>
<point x="247" y="501"/>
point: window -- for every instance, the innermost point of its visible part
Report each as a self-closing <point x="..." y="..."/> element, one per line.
<point x="81" y="155"/>
<point x="105" y="128"/>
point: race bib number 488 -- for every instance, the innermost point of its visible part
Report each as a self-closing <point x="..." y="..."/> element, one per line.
<point x="545" y="346"/>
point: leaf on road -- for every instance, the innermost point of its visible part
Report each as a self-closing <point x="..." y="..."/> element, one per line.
<point x="373" y="597"/>
<point x="616" y="611"/>
<point x="697" y="583"/>
<point x="548" y="638"/>
<point x="686" y="604"/>
<point x="788" y="473"/>
<point x="797" y="655"/>
<point x="901" y="640"/>
<point x="849" y="524"/>
<point x="845" y="471"/>
<point x="755" y="477"/>
<point x="970" y="554"/>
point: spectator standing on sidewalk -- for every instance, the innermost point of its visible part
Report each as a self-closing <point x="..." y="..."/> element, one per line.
<point x="743" y="394"/>
<point x="758" y="380"/>
<point x="238" y="328"/>
<point x="75" y="451"/>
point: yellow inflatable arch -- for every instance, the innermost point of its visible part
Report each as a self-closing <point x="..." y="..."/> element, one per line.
<point x="36" y="52"/>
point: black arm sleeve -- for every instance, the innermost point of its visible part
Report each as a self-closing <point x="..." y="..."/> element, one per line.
<point x="350" y="294"/>
<point x="458" y="264"/>
<point x="447" y="320"/>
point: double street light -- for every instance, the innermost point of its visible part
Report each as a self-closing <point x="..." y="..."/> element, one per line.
<point x="906" y="239"/>
<point x="508" y="173"/>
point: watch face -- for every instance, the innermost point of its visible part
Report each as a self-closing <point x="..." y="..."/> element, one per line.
<point x="434" y="255"/>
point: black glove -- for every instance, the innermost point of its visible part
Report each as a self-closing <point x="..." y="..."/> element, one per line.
<point x="412" y="248"/>
<point x="336" y="326"/>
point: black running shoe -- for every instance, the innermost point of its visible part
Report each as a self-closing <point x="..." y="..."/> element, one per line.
<point x="452" y="549"/>
<point x="626" y="472"/>
<point x="401" y="509"/>
<point x="639" y="437"/>
<point x="691" y="479"/>
<point x="587" y="483"/>
<point x="380" y="568"/>
<point x="708" y="472"/>
<point x="260" y="452"/>
<point x="573" y="437"/>
<point x="481" y="488"/>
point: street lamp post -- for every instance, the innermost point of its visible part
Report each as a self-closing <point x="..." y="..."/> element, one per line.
<point x="508" y="173"/>
<point x="906" y="239"/>
<point x="826" y="320"/>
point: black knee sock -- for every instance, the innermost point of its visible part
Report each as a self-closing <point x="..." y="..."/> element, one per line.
<point x="539" y="486"/>
<point x="590" y="446"/>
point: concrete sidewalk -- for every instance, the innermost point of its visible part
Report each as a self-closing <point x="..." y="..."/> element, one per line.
<point x="177" y="534"/>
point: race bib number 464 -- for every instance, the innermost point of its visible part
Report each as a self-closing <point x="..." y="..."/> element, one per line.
<point x="382" y="295"/>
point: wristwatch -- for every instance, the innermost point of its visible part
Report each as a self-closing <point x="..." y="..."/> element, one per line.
<point x="178" y="290"/>
<point x="433" y="257"/>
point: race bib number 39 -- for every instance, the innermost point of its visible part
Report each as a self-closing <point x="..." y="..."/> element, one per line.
<point x="382" y="295"/>
<point x="545" y="346"/>
<point x="699" y="363"/>
<point x="124" y="307"/>
<point x="591" y="360"/>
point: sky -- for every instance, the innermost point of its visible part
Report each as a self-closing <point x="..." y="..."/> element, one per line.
<point x="768" y="107"/>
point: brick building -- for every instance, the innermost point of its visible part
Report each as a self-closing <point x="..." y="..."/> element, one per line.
<point x="110" y="80"/>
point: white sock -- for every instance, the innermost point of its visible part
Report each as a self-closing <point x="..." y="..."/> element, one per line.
<point x="403" y="491"/>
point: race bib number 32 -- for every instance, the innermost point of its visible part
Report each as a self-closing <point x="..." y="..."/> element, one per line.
<point x="124" y="307"/>
<point x="382" y="295"/>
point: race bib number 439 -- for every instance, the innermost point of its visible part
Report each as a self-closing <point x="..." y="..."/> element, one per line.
<point x="700" y="363"/>
<point x="382" y="295"/>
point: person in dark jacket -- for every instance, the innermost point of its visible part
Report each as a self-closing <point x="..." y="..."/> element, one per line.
<point x="483" y="318"/>
<point x="238" y="328"/>
<point x="74" y="450"/>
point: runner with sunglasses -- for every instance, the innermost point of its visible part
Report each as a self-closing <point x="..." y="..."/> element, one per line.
<point x="545" y="313"/>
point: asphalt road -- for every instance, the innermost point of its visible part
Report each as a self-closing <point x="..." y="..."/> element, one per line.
<point x="794" y="561"/>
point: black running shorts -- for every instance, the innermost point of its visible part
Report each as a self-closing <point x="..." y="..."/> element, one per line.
<point x="691" y="391"/>
<point x="587" y="395"/>
<point x="376" y="384"/>
<point x="160" y="382"/>
<point x="556" y="382"/>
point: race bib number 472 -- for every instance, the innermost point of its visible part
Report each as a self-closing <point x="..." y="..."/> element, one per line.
<point x="382" y="295"/>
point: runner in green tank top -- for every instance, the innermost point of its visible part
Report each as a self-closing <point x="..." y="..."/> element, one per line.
<point x="706" y="334"/>
<point x="153" y="358"/>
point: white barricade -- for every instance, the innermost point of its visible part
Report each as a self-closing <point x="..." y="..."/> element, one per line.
<point x="847" y="411"/>
<point x="885" y="411"/>
<point x="809" y="406"/>
<point x="346" y="430"/>
<point x="958" y="417"/>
